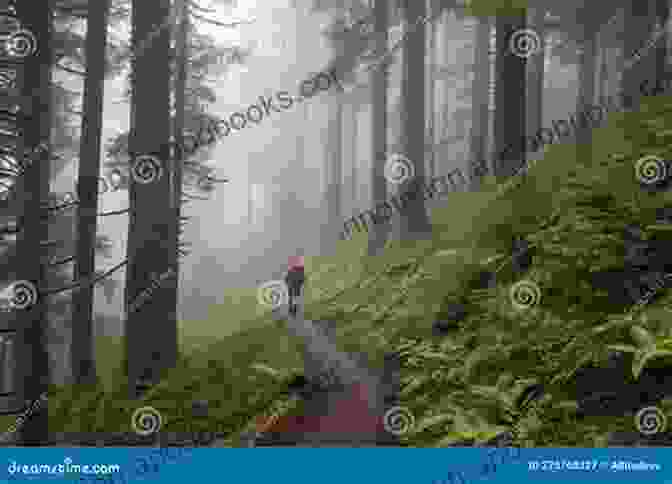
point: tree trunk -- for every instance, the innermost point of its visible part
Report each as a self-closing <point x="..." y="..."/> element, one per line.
<point x="32" y="358"/>
<point x="250" y="204"/>
<point x="639" y="60"/>
<point x="510" y="70"/>
<point x="430" y="151"/>
<point x="379" y="232"/>
<point x="444" y="106"/>
<point x="334" y="161"/>
<point x="82" y="351"/>
<point x="413" y="220"/>
<point x="178" y="155"/>
<point x="480" y="96"/>
<point x="334" y="166"/>
<point x="587" y="65"/>
<point x="535" y="74"/>
<point x="151" y="344"/>
<point x="662" y="13"/>
<point x="602" y="76"/>
<point x="352" y="115"/>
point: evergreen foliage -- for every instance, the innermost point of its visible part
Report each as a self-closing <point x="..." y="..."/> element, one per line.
<point x="497" y="369"/>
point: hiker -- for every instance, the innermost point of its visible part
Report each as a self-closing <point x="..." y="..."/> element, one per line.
<point x="295" y="278"/>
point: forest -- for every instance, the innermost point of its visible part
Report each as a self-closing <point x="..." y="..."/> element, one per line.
<point x="486" y="265"/>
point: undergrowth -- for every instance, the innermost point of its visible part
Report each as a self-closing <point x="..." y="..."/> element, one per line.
<point x="467" y="384"/>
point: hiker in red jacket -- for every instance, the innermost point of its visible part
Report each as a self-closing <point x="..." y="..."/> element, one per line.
<point x="295" y="278"/>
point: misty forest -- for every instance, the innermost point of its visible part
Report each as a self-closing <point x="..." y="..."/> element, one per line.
<point x="161" y="160"/>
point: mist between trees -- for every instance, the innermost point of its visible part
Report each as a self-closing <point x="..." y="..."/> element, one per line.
<point x="591" y="116"/>
<point x="383" y="211"/>
<point x="213" y="130"/>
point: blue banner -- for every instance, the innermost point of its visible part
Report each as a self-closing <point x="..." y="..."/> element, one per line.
<point x="336" y="465"/>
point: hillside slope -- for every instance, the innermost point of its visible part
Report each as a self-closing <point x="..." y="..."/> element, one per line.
<point x="469" y="383"/>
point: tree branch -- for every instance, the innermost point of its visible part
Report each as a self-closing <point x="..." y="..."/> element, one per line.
<point x="47" y="243"/>
<point x="117" y="212"/>
<point x="196" y="6"/>
<point x="60" y="207"/>
<point x="51" y="292"/>
<point x="193" y="197"/>
<point x="222" y="24"/>
<point x="62" y="261"/>
<point x="70" y="70"/>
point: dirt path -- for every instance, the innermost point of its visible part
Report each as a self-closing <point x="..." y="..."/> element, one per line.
<point x="345" y="373"/>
